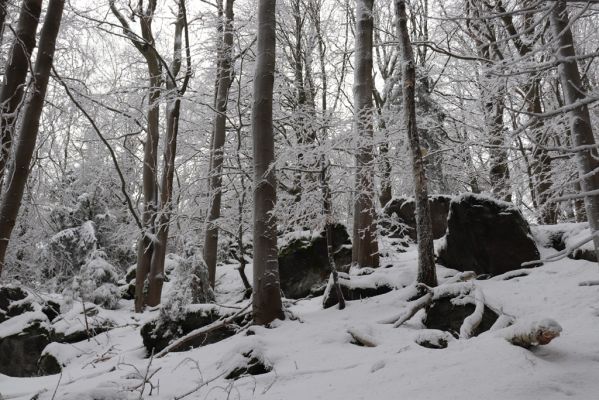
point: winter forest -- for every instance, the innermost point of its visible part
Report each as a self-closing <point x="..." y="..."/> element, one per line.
<point x="299" y="199"/>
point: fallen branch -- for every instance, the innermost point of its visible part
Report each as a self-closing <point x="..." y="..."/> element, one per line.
<point x="182" y="341"/>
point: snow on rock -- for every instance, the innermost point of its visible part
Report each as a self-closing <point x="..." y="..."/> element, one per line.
<point x="312" y="356"/>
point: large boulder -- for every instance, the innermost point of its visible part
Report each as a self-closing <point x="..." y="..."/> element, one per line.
<point x="160" y="332"/>
<point x="400" y="217"/>
<point x="304" y="264"/>
<point x="486" y="236"/>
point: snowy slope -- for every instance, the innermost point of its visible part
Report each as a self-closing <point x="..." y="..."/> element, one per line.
<point x="313" y="358"/>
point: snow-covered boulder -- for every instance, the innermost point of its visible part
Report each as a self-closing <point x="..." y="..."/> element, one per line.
<point x="160" y="332"/>
<point x="400" y="216"/>
<point x="22" y="340"/>
<point x="575" y="237"/>
<point x="357" y="287"/>
<point x="303" y="261"/>
<point x="486" y="236"/>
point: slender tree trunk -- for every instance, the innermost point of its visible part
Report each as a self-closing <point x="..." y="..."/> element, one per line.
<point x="156" y="273"/>
<point x="365" y="252"/>
<point x="11" y="201"/>
<point x="580" y="122"/>
<point x="13" y="85"/>
<point x="224" y="72"/>
<point x="426" y="256"/>
<point x="266" y="293"/>
<point x="145" y="46"/>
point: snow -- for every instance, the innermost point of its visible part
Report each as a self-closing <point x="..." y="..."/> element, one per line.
<point x="313" y="357"/>
<point x="20" y="322"/>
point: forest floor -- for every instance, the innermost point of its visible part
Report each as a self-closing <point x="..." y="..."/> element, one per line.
<point x="313" y="357"/>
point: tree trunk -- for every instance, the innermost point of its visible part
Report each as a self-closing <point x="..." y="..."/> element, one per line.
<point x="145" y="46"/>
<point x="224" y="73"/>
<point x="11" y="201"/>
<point x="13" y="85"/>
<point x="267" y="294"/>
<point x="365" y="246"/>
<point x="426" y="256"/>
<point x="580" y="122"/>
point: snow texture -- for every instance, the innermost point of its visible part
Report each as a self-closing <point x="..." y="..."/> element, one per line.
<point x="313" y="355"/>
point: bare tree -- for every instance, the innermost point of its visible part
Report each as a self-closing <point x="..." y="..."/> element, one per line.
<point x="27" y="136"/>
<point x="365" y="245"/>
<point x="13" y="85"/>
<point x="426" y="256"/>
<point x="224" y="79"/>
<point x="580" y="122"/>
<point x="174" y="94"/>
<point x="266" y="289"/>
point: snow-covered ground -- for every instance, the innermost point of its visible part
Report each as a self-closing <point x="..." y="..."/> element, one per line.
<point x="313" y="357"/>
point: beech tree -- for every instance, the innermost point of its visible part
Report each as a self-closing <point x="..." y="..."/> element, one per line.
<point x="224" y="79"/>
<point x="266" y="301"/>
<point x="27" y="135"/>
<point x="13" y="84"/>
<point x="424" y="230"/>
<point x="364" y="238"/>
<point x="587" y="157"/>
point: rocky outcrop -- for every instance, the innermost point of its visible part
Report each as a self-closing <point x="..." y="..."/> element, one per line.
<point x="486" y="236"/>
<point x="304" y="264"/>
<point x="400" y="217"/>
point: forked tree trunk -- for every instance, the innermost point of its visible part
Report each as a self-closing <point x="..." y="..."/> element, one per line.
<point x="224" y="79"/>
<point x="156" y="273"/>
<point x="13" y="85"/>
<point x="266" y="300"/>
<point x="426" y="256"/>
<point x="587" y="157"/>
<point x="365" y="252"/>
<point x="145" y="46"/>
<point x="27" y="137"/>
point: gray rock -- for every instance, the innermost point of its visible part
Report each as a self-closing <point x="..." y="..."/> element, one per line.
<point x="486" y="236"/>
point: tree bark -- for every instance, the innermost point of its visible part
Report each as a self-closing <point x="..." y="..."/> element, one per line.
<point x="224" y="79"/>
<point x="426" y="257"/>
<point x="266" y="292"/>
<point x="13" y="85"/>
<point x="365" y="245"/>
<point x="580" y="123"/>
<point x="11" y="201"/>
